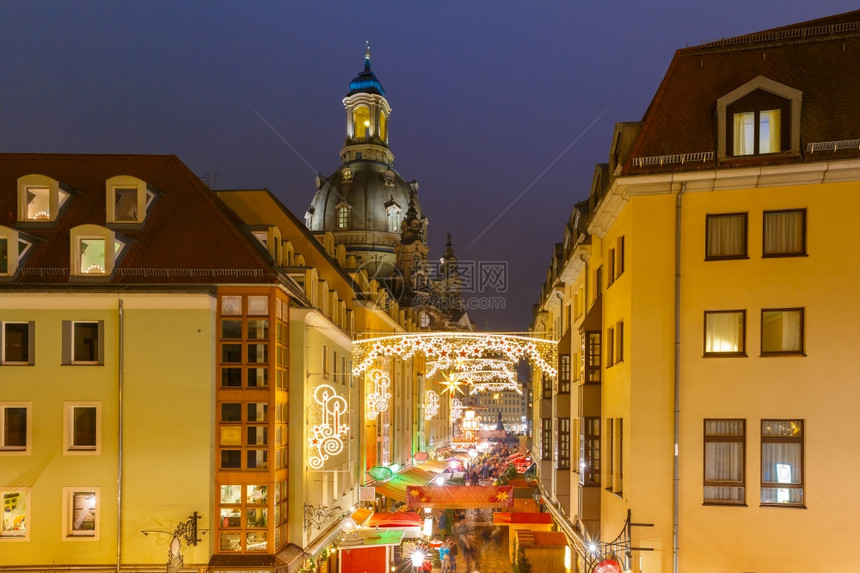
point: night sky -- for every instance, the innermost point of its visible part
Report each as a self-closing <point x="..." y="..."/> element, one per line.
<point x="500" y="109"/>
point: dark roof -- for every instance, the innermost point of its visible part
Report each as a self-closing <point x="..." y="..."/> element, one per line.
<point x="189" y="235"/>
<point x="821" y="58"/>
<point x="366" y="82"/>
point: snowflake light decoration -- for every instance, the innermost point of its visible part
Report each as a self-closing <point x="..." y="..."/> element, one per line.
<point x="456" y="409"/>
<point x="327" y="435"/>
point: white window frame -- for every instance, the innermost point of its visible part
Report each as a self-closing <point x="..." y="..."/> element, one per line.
<point x="71" y="449"/>
<point x="31" y="344"/>
<point x="114" y="246"/>
<point x="16" y="450"/>
<point x="17" y="248"/>
<point x="69" y="343"/>
<point x="392" y="214"/>
<point x="14" y="534"/>
<point x="145" y="197"/>
<point x="69" y="531"/>
<point x="58" y="197"/>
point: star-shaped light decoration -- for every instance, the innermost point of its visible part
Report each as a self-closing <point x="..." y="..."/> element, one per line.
<point x="414" y="493"/>
<point x="502" y="496"/>
<point x="496" y="396"/>
<point x="452" y="383"/>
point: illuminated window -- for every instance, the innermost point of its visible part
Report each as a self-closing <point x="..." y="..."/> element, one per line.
<point x="361" y="120"/>
<point x="343" y="217"/>
<point x="15" y="521"/>
<point x="92" y="256"/>
<point x="40" y="198"/>
<point x="784" y="233"/>
<point x="81" y="513"/>
<point x="725" y="333"/>
<point x="782" y="331"/>
<point x="726" y="236"/>
<point x="564" y="373"/>
<point x="393" y="213"/>
<point x="589" y="453"/>
<point x="383" y="126"/>
<point x="724" y="461"/>
<point x="758" y="118"/>
<point x="782" y="462"/>
<point x="82" y="427"/>
<point x="563" y="458"/>
<point x="17" y="343"/>
<point x="96" y="250"/>
<point x="15" y="428"/>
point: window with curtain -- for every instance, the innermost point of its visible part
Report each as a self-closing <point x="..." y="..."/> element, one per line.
<point x="782" y="462"/>
<point x="726" y="236"/>
<point x="782" y="331"/>
<point x="725" y="333"/>
<point x="724" y="462"/>
<point x="758" y="123"/>
<point x="784" y="233"/>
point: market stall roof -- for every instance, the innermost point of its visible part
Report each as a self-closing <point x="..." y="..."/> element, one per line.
<point x="371" y="538"/>
<point x="460" y="496"/>
<point x="521" y="518"/>
<point x="396" y="519"/>
<point x="435" y="466"/>
<point x="361" y="514"/>
<point x="395" y="488"/>
<point x="529" y="538"/>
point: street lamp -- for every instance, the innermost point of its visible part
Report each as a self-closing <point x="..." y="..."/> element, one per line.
<point x="186" y="530"/>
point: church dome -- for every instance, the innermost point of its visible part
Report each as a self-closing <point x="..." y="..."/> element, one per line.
<point x="366" y="82"/>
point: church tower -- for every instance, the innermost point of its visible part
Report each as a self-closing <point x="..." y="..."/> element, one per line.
<point x="364" y="201"/>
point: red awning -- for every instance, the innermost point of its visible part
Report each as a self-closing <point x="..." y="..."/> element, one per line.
<point x="396" y="519"/>
<point x="395" y="488"/>
<point x="460" y="496"/>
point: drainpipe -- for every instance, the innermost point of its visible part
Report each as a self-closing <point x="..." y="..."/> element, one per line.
<point x="120" y="368"/>
<point x="677" y="379"/>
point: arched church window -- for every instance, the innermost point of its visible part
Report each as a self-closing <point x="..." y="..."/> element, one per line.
<point x="393" y="219"/>
<point x="343" y="217"/>
<point x="361" y="118"/>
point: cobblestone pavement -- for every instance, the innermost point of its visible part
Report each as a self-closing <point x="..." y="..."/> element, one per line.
<point x="490" y="541"/>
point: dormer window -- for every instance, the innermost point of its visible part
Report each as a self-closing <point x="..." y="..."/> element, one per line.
<point x="270" y="238"/>
<point x="343" y="216"/>
<point x="95" y="251"/>
<point x="40" y="198"/>
<point x="309" y="217"/>
<point x="14" y="247"/>
<point x="127" y="199"/>
<point x="761" y="117"/>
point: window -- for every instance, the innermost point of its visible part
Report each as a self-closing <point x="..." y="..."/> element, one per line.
<point x="724" y="462"/>
<point x="361" y="121"/>
<point x="15" y="521"/>
<point x="619" y="341"/>
<point x="16" y="431"/>
<point x="598" y="282"/>
<point x="83" y="342"/>
<point x="17" y="343"/>
<point x="610" y="276"/>
<point x="782" y="331"/>
<point x="619" y="254"/>
<point x="564" y="373"/>
<point x="760" y="117"/>
<point x="726" y="236"/>
<point x="546" y="438"/>
<point x="342" y="216"/>
<point x="589" y="453"/>
<point x="128" y="199"/>
<point x="782" y="462"/>
<point x="563" y="458"/>
<point x="784" y="233"/>
<point x="393" y="214"/>
<point x="14" y="248"/>
<point x="592" y="358"/>
<point x="725" y="333"/>
<point x="95" y="250"/>
<point x="82" y="427"/>
<point x="546" y="387"/>
<point x="610" y="346"/>
<point x="40" y="198"/>
<point x="81" y="512"/>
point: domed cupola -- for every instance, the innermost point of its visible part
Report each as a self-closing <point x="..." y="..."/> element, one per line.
<point x="364" y="201"/>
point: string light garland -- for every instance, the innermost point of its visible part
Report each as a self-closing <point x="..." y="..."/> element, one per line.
<point x="327" y="436"/>
<point x="447" y="347"/>
<point x="377" y="401"/>
<point x="456" y="409"/>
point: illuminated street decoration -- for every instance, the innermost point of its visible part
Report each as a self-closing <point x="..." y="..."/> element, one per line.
<point x="449" y="347"/>
<point x="470" y="365"/>
<point x="456" y="409"/>
<point x="452" y="382"/>
<point x="377" y="401"/>
<point x="327" y="435"/>
<point x="431" y="408"/>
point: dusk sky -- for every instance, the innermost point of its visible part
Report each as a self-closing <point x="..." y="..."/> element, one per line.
<point x="500" y="110"/>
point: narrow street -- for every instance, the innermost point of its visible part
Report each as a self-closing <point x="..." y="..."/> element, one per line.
<point x="490" y="543"/>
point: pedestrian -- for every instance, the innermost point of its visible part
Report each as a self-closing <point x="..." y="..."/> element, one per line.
<point x="469" y="551"/>
<point x="443" y="523"/>
<point x="445" y="557"/>
<point x="452" y="553"/>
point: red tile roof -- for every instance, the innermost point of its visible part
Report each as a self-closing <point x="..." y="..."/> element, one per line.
<point x="189" y="235"/>
<point x="821" y="58"/>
